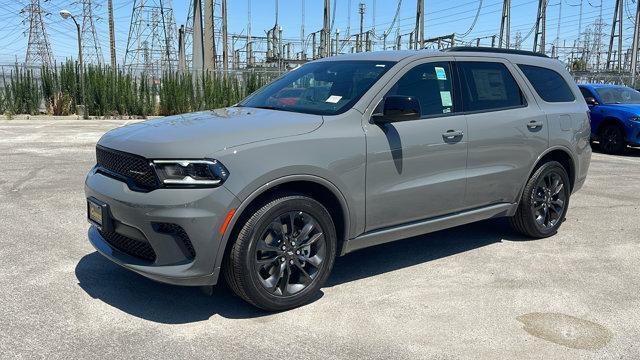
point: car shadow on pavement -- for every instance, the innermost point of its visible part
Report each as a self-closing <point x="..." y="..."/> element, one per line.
<point x="420" y="249"/>
<point x="169" y="304"/>
<point x="628" y="152"/>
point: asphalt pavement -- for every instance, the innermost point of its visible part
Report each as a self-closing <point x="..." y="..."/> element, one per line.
<point x="479" y="291"/>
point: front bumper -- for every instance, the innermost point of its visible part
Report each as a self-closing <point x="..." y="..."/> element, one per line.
<point x="200" y="212"/>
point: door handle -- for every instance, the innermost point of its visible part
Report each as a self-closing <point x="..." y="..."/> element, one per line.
<point x="534" y="124"/>
<point x="452" y="134"/>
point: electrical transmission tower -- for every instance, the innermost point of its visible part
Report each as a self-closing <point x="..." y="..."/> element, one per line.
<point x="152" y="42"/>
<point x="616" y="25"/>
<point x="541" y="27"/>
<point x="91" y="50"/>
<point x="38" y="48"/>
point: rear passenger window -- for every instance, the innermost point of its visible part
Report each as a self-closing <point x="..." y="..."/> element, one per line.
<point x="488" y="86"/>
<point x="431" y="84"/>
<point x="548" y="84"/>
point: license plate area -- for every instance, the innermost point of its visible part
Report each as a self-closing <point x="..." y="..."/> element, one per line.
<point x="98" y="214"/>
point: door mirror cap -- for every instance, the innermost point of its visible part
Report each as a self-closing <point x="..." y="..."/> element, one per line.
<point x="398" y="108"/>
<point x="591" y="101"/>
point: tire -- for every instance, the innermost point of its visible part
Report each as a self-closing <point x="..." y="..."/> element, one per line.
<point x="543" y="206"/>
<point x="268" y="249"/>
<point x="611" y="138"/>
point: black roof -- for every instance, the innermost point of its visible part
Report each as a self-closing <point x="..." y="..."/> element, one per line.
<point x="494" y="50"/>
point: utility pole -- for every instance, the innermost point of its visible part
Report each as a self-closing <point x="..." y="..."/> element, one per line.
<point x="361" y="10"/>
<point x="38" y="48"/>
<point x="541" y="26"/>
<point x="505" y="25"/>
<point x="225" y="46"/>
<point x="112" y="36"/>
<point x="197" y="55"/>
<point x="634" y="47"/>
<point x="209" y="33"/>
<point x="616" y="25"/>
<point x="182" y="60"/>
<point x="90" y="42"/>
<point x="325" y="34"/>
<point x="419" y="30"/>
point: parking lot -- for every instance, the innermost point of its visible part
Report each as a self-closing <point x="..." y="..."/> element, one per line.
<point x="477" y="291"/>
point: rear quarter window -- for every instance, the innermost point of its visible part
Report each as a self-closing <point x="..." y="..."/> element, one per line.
<point x="549" y="85"/>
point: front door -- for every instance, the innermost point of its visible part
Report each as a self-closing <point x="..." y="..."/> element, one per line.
<point x="416" y="169"/>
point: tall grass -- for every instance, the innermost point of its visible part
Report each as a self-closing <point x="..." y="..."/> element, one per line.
<point x="58" y="91"/>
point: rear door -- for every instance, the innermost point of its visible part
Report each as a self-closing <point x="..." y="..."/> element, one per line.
<point x="416" y="169"/>
<point x="506" y="130"/>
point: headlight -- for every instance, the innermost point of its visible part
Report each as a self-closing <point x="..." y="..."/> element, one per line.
<point x="190" y="173"/>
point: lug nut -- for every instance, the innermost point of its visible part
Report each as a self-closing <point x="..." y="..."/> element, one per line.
<point x="281" y="259"/>
<point x="293" y="243"/>
<point x="297" y="252"/>
<point x="283" y="248"/>
<point x="291" y="262"/>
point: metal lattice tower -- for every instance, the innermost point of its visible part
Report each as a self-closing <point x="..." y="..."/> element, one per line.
<point x="152" y="45"/>
<point x="38" y="49"/>
<point x="539" y="38"/>
<point x="616" y="25"/>
<point x="91" y="50"/>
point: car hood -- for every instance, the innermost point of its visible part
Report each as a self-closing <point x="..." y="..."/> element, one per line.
<point x="634" y="109"/>
<point x="201" y="134"/>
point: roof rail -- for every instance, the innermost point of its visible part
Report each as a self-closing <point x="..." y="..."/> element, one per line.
<point x="493" y="50"/>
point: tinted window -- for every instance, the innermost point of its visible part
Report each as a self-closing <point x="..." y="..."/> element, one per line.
<point x="548" y="84"/>
<point x="586" y="92"/>
<point x="324" y="88"/>
<point x="619" y="95"/>
<point x="431" y="84"/>
<point x="487" y="86"/>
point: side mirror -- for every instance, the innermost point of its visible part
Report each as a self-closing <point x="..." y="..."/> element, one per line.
<point x="398" y="108"/>
<point x="591" y="101"/>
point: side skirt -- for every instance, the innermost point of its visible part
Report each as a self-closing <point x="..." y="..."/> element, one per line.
<point x="404" y="231"/>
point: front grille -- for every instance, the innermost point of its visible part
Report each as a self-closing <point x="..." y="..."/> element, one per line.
<point x="132" y="168"/>
<point x="179" y="235"/>
<point x="136" y="248"/>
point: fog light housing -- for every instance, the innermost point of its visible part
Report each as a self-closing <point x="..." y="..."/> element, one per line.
<point x="190" y="173"/>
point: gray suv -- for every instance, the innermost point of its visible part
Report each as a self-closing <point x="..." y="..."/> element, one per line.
<point x="337" y="155"/>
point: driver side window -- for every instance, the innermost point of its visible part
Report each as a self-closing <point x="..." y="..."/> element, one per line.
<point x="431" y="84"/>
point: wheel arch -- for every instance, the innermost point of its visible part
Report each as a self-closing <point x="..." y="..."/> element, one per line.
<point x="316" y="187"/>
<point x="609" y="120"/>
<point x="561" y="155"/>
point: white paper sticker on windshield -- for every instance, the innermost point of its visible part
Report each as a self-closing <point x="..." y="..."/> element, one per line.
<point x="333" y="99"/>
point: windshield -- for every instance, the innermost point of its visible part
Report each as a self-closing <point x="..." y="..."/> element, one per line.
<point x="323" y="88"/>
<point x="619" y="95"/>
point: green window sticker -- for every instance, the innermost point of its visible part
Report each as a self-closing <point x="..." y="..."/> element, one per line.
<point x="441" y="74"/>
<point x="445" y="96"/>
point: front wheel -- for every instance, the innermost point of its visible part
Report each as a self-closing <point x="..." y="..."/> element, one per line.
<point x="283" y="253"/>
<point x="612" y="139"/>
<point x="544" y="202"/>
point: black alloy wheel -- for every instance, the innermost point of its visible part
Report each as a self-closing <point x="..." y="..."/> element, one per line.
<point x="283" y="253"/>
<point x="612" y="139"/>
<point x="289" y="253"/>
<point x="549" y="200"/>
<point x="544" y="201"/>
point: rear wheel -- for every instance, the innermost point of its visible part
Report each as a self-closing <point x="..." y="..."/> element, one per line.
<point x="283" y="254"/>
<point x="544" y="202"/>
<point x="611" y="139"/>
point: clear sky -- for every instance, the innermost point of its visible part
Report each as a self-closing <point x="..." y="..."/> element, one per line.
<point x="442" y="17"/>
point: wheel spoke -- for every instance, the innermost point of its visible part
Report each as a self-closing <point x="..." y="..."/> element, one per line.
<point x="264" y="247"/>
<point x="557" y="188"/>
<point x="284" y="281"/>
<point x="304" y="273"/>
<point x="306" y="230"/>
<point x="278" y="228"/>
